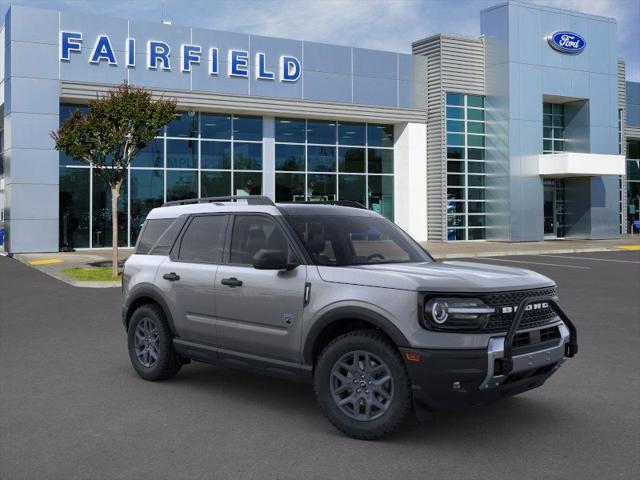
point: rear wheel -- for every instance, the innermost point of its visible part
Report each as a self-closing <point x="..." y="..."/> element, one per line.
<point x="362" y="385"/>
<point x="150" y="344"/>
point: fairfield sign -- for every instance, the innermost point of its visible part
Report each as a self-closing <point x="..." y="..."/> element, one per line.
<point x="159" y="56"/>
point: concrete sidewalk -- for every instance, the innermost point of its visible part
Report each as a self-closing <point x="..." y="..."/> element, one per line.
<point x="53" y="263"/>
<point x="443" y="250"/>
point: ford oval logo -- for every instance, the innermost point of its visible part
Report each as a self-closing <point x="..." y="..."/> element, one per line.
<point x="567" y="42"/>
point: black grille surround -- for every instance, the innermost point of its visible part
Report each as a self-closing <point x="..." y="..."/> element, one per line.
<point x="533" y="318"/>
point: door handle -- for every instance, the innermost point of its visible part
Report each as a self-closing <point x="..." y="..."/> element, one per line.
<point x="231" y="282"/>
<point x="172" y="277"/>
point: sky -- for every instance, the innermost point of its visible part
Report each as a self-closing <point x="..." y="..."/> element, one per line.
<point x="378" y="24"/>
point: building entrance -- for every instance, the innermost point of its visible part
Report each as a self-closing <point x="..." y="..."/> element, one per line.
<point x="555" y="208"/>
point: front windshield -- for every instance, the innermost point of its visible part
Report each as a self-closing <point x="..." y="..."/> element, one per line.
<point x="340" y="240"/>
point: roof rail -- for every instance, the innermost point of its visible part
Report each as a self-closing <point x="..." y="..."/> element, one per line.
<point x="250" y="199"/>
<point x="339" y="203"/>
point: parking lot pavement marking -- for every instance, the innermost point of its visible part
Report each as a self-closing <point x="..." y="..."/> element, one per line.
<point x="628" y="247"/>
<point x="492" y="259"/>
<point x="47" y="261"/>
<point x="591" y="258"/>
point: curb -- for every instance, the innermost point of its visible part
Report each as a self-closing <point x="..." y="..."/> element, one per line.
<point x="70" y="281"/>
<point x="523" y="252"/>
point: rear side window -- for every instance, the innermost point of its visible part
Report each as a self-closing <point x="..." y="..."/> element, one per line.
<point x="151" y="232"/>
<point x="203" y="240"/>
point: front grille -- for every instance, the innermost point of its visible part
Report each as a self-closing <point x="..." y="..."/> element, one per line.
<point x="500" y="321"/>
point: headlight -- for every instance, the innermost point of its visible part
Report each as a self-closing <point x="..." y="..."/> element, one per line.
<point x="456" y="313"/>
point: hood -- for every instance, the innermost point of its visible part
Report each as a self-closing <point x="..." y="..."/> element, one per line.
<point x="462" y="277"/>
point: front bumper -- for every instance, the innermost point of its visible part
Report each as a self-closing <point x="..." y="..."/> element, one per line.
<point x="451" y="379"/>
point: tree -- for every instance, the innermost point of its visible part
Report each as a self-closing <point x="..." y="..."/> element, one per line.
<point x="117" y="126"/>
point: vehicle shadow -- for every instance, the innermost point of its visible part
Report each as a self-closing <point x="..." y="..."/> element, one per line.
<point x="503" y="419"/>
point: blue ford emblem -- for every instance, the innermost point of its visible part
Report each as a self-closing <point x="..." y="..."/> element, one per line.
<point x="567" y="42"/>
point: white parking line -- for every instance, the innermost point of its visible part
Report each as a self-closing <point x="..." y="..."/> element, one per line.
<point x="492" y="259"/>
<point x="591" y="258"/>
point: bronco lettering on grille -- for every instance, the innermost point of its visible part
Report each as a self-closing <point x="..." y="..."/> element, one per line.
<point x="531" y="306"/>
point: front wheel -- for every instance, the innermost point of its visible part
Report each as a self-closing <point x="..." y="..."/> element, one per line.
<point x="150" y="344"/>
<point x="362" y="385"/>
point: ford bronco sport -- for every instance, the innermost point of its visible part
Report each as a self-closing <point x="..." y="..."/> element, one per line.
<point x="339" y="297"/>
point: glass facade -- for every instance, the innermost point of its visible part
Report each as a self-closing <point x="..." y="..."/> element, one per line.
<point x="633" y="183"/>
<point x="197" y="154"/>
<point x="552" y="128"/>
<point x="320" y="160"/>
<point x="465" y="130"/>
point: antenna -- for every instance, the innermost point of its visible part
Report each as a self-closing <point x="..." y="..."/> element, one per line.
<point x="162" y="19"/>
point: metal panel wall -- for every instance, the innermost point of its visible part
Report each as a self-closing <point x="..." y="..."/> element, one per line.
<point x="455" y="64"/>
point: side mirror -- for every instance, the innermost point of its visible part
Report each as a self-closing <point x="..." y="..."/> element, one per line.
<point x="272" y="260"/>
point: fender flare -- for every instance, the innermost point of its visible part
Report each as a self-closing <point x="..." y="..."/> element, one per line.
<point x="149" y="291"/>
<point x="352" y="313"/>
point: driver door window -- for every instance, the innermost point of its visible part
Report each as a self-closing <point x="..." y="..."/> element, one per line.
<point x="252" y="233"/>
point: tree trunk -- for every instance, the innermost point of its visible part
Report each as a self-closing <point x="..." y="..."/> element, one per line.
<point x="115" y="194"/>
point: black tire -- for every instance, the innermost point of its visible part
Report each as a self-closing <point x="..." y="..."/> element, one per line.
<point x="399" y="389"/>
<point x="166" y="364"/>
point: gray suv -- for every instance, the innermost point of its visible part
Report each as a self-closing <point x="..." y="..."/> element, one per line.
<point x="342" y="298"/>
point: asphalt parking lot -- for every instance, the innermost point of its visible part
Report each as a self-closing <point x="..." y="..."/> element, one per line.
<point x="72" y="407"/>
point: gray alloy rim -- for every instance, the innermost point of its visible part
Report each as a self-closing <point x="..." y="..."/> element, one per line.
<point x="147" y="342"/>
<point x="361" y="385"/>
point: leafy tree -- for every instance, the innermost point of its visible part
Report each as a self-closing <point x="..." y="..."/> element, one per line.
<point x="117" y="126"/>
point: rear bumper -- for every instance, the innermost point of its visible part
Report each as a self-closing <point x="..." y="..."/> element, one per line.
<point x="456" y="378"/>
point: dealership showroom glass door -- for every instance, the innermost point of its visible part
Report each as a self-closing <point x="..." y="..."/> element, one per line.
<point x="555" y="208"/>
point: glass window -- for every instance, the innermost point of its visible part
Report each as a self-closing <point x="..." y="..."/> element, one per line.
<point x="74" y="207"/>
<point x="66" y="109"/>
<point x="380" y="161"/>
<point x="215" y="155"/>
<point x="380" y="135"/>
<point x="247" y="128"/>
<point x="321" y="159"/>
<point x="290" y="187"/>
<point x="290" y="157"/>
<point x="476" y="207"/>
<point x="455" y="126"/>
<point x="476" y="193"/>
<point x="381" y="195"/>
<point x="184" y="124"/>
<point x="475" y="101"/>
<point x="247" y="183"/>
<point x="633" y="149"/>
<point x="455" y="152"/>
<point x="290" y="130"/>
<point x="320" y="131"/>
<point x="455" y="167"/>
<point x="476" y="220"/>
<point x="203" y="240"/>
<point x="247" y="156"/>
<point x="321" y="187"/>
<point x="151" y="155"/>
<point x="215" y="184"/>
<point x="477" y="234"/>
<point x="477" y="115"/>
<point x="633" y="170"/>
<point x="252" y="233"/>
<point x="455" y="139"/>
<point x="455" y="98"/>
<point x="215" y="126"/>
<point x="351" y="159"/>
<point x="455" y="193"/>
<point x="182" y="154"/>
<point x="102" y="230"/>
<point x="351" y="133"/>
<point x="475" y="154"/>
<point x="476" y="167"/>
<point x="455" y="180"/>
<point x="456" y="221"/>
<point x="475" y="140"/>
<point x="152" y="232"/>
<point x="454" y="208"/>
<point x="181" y="185"/>
<point x="455" y="113"/>
<point x="352" y="187"/>
<point x="456" y="234"/>
<point x="147" y="192"/>
<point x="475" y="127"/>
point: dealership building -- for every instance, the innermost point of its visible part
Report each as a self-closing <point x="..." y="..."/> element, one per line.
<point x="527" y="132"/>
